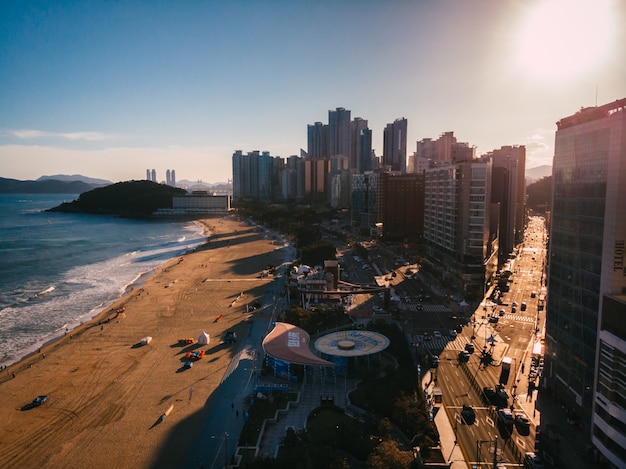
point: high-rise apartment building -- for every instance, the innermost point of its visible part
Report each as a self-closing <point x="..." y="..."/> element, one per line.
<point x="366" y="200"/>
<point x="317" y="140"/>
<point x="339" y="141"/>
<point x="508" y="190"/>
<point x="586" y="309"/>
<point x="457" y="207"/>
<point x="394" y="145"/>
<point x="360" y="145"/>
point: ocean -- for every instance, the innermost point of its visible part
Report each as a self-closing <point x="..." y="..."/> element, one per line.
<point x="59" y="270"/>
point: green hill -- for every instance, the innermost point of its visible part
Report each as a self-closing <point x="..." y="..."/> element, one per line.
<point x="132" y="199"/>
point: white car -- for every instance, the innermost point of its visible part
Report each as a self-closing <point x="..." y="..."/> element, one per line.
<point x="506" y="416"/>
<point x="533" y="461"/>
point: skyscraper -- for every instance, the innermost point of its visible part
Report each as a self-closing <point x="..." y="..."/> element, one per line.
<point x="339" y="132"/>
<point x="317" y="140"/>
<point x="394" y="145"/>
<point x="586" y="309"/>
<point x="508" y="190"/>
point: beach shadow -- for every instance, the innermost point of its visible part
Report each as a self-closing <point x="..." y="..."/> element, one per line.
<point x="216" y="348"/>
<point x="157" y="422"/>
<point x="187" y="348"/>
<point x="138" y="345"/>
<point x="28" y="406"/>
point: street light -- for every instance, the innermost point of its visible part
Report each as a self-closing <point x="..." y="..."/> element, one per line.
<point x="479" y="444"/>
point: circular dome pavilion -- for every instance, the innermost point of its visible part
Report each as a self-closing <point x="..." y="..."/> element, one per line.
<point x="352" y="343"/>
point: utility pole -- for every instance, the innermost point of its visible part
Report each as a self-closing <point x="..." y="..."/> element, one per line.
<point x="495" y="453"/>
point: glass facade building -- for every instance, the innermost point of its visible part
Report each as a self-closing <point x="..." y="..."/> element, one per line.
<point x="586" y="266"/>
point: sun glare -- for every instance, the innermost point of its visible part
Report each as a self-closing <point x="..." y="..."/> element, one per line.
<point x="563" y="39"/>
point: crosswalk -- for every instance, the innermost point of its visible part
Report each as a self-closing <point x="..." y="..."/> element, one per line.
<point x="518" y="318"/>
<point x="446" y="342"/>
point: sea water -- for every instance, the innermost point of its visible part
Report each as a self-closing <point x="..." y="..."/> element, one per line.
<point x="58" y="270"/>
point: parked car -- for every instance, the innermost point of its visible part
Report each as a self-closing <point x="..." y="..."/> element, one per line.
<point x="523" y="307"/>
<point x="464" y="356"/>
<point x="230" y="337"/>
<point x="468" y="415"/>
<point x="436" y="334"/>
<point x="493" y="319"/>
<point x="452" y="333"/>
<point x="39" y="400"/>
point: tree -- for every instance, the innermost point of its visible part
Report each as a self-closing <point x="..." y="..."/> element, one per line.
<point x="388" y="456"/>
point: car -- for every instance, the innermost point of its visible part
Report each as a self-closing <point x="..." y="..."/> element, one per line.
<point x="501" y="313"/>
<point x="39" y="400"/>
<point x="501" y="392"/>
<point x="464" y="356"/>
<point x="452" y="333"/>
<point x="230" y="337"/>
<point x="436" y="334"/>
<point x="434" y="361"/>
<point x="490" y="395"/>
<point x="533" y="294"/>
<point x="505" y="416"/>
<point x="523" y="307"/>
<point x="470" y="347"/>
<point x="514" y="304"/>
<point x="513" y="310"/>
<point x="522" y="424"/>
<point x="493" y="319"/>
<point x="532" y="461"/>
<point x="468" y="415"/>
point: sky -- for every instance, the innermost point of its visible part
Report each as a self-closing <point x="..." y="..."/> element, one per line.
<point x="108" y="89"/>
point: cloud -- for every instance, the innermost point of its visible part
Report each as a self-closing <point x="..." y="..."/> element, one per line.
<point x="89" y="136"/>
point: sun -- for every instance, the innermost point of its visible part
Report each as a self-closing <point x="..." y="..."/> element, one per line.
<point x="561" y="39"/>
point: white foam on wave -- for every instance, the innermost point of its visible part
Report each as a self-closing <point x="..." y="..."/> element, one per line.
<point x="81" y="294"/>
<point x="45" y="292"/>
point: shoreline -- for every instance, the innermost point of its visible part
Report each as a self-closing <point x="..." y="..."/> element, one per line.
<point x="93" y="314"/>
<point x="106" y="390"/>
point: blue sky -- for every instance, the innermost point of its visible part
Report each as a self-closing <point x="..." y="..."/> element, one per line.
<point x="109" y="89"/>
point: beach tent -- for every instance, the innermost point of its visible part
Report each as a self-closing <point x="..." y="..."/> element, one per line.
<point x="146" y="340"/>
<point x="203" y="339"/>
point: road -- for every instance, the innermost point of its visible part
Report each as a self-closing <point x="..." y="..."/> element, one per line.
<point x="520" y="321"/>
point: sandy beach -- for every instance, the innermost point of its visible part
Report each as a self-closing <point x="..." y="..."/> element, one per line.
<point x="107" y="392"/>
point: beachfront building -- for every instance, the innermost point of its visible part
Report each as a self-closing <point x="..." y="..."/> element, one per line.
<point x="197" y="203"/>
<point x="585" y="327"/>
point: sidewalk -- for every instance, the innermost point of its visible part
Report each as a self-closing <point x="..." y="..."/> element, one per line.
<point x="447" y="439"/>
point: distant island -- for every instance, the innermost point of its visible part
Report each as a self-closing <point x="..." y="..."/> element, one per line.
<point x="45" y="185"/>
<point x="130" y="199"/>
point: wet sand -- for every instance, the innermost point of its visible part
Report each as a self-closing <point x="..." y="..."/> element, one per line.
<point x="107" y="392"/>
